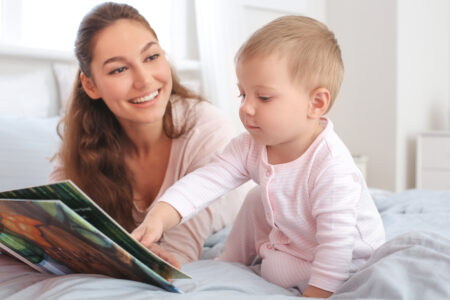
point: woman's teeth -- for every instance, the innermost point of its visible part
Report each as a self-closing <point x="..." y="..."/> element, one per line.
<point x="146" y="98"/>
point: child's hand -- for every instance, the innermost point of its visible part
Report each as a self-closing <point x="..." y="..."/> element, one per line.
<point x="149" y="231"/>
<point x="159" y="219"/>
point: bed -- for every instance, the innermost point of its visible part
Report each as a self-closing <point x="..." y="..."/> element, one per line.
<point x="413" y="264"/>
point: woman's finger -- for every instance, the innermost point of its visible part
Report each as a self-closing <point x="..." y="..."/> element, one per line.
<point x="164" y="254"/>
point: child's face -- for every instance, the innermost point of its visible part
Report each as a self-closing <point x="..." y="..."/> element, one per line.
<point x="274" y="107"/>
<point x="130" y="73"/>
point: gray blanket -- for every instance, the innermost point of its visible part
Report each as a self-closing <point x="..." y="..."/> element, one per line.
<point x="414" y="265"/>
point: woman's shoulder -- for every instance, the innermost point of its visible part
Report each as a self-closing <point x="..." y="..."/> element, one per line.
<point x="199" y="114"/>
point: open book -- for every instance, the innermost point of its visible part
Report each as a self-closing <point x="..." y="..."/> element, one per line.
<point x="58" y="229"/>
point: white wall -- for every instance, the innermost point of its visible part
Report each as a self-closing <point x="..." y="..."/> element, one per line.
<point x="396" y="55"/>
<point x="364" y="112"/>
<point x="422" y="75"/>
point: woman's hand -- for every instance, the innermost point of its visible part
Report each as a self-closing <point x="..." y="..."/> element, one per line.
<point x="159" y="219"/>
<point x="164" y="254"/>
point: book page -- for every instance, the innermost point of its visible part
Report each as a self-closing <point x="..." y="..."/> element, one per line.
<point x="54" y="238"/>
<point x="79" y="202"/>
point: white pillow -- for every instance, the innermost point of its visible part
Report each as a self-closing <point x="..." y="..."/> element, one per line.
<point x="26" y="146"/>
<point x="65" y="77"/>
<point x="26" y="94"/>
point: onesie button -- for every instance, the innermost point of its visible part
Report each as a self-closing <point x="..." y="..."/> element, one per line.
<point x="269" y="246"/>
<point x="268" y="172"/>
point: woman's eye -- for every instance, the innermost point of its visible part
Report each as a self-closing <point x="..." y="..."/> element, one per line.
<point x="264" y="98"/>
<point x="152" y="57"/>
<point x="118" y="70"/>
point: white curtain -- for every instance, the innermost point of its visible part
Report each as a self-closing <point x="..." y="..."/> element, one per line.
<point x="218" y="40"/>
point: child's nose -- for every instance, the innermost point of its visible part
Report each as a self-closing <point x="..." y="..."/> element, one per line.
<point x="247" y="106"/>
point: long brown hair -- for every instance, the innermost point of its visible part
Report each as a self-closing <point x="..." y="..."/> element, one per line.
<point x="93" y="148"/>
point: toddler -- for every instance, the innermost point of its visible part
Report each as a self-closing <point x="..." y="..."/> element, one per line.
<point x="311" y="220"/>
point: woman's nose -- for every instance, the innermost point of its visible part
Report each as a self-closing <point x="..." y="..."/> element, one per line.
<point x="142" y="78"/>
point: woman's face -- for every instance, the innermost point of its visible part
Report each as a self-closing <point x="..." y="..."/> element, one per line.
<point x="130" y="73"/>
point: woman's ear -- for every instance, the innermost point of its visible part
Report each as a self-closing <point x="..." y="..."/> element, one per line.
<point x="319" y="102"/>
<point x="89" y="87"/>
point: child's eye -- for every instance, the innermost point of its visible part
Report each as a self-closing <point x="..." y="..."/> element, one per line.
<point x="241" y="96"/>
<point x="118" y="70"/>
<point x="152" y="57"/>
<point x="264" y="99"/>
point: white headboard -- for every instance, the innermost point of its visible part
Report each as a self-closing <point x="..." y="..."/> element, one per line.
<point x="30" y="84"/>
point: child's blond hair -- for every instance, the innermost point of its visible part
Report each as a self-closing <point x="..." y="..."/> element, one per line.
<point x="311" y="49"/>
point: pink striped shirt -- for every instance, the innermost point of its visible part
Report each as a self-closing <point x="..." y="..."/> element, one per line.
<point x="318" y="205"/>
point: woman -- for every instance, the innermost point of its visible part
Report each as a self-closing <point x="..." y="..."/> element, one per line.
<point x="132" y="129"/>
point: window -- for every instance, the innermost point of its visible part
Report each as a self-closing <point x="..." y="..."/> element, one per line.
<point x="52" y="24"/>
<point x="49" y="24"/>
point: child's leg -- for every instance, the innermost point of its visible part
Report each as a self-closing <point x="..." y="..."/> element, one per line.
<point x="250" y="230"/>
<point x="284" y="269"/>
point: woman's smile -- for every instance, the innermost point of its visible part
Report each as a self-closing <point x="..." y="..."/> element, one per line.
<point x="146" y="100"/>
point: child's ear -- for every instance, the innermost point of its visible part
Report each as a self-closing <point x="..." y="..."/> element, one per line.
<point x="89" y="86"/>
<point x="319" y="102"/>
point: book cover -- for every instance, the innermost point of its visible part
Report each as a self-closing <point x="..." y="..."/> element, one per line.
<point x="58" y="229"/>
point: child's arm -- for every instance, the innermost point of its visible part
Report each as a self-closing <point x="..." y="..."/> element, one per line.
<point x="315" y="292"/>
<point x="160" y="218"/>
<point x="195" y="191"/>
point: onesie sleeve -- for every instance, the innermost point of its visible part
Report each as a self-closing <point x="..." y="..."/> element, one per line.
<point x="226" y="171"/>
<point x="334" y="201"/>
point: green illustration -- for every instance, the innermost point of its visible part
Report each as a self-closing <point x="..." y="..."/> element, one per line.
<point x="73" y="234"/>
